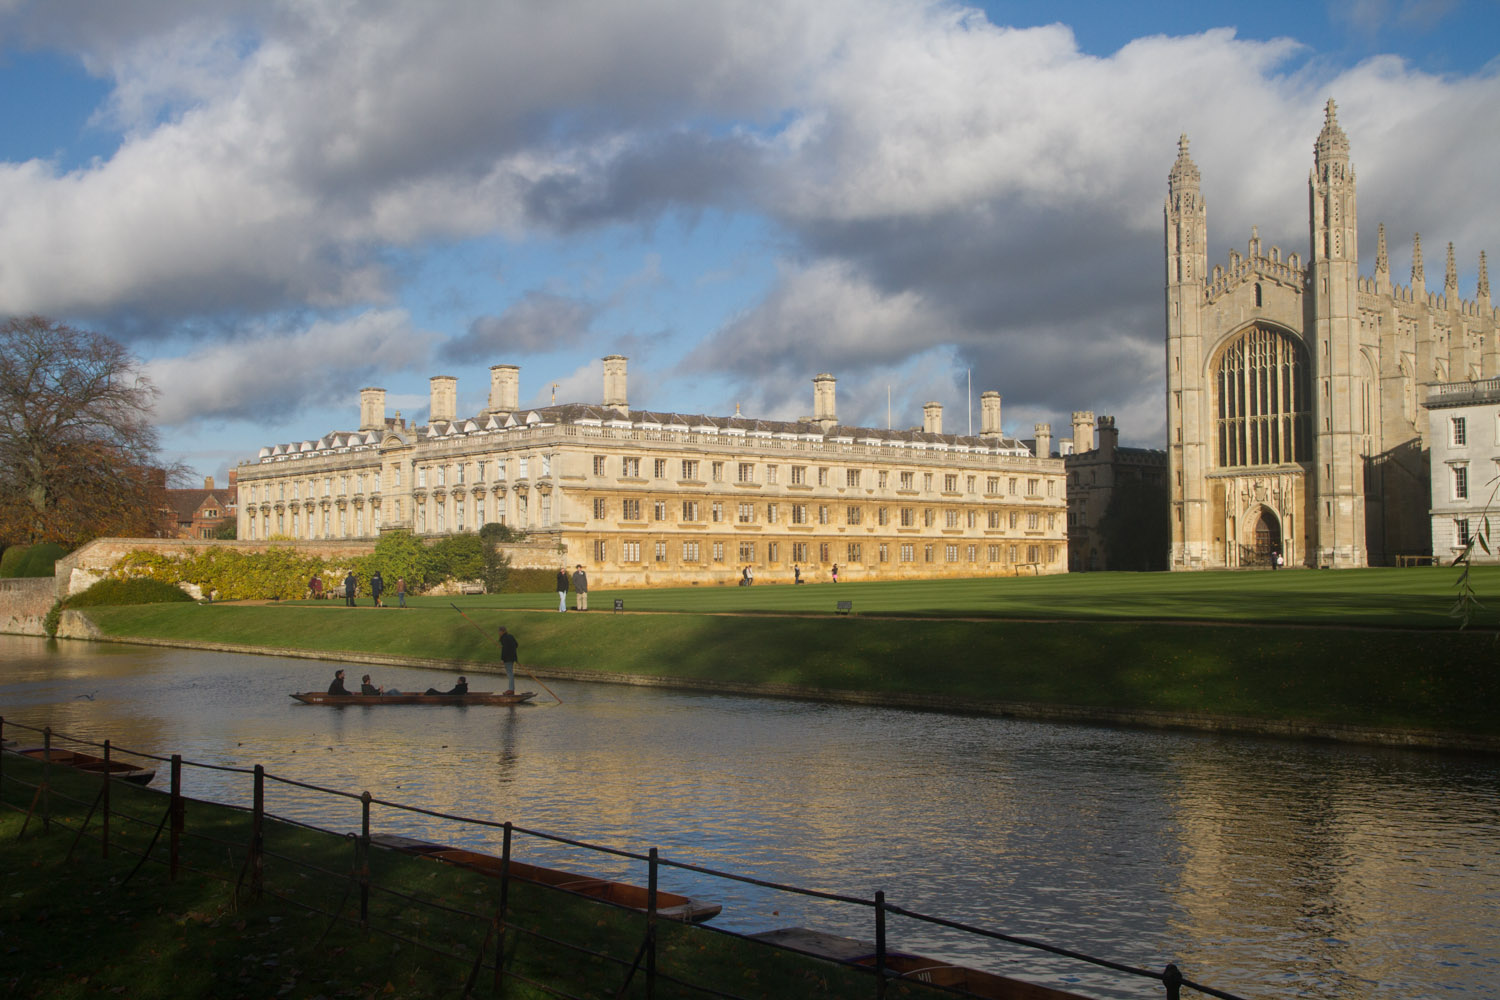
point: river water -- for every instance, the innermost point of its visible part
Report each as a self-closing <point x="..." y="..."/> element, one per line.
<point x="1266" y="868"/>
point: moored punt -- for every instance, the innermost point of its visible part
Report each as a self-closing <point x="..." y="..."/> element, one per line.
<point x="669" y="905"/>
<point x="472" y="698"/>
<point x="123" y="770"/>
<point x="919" y="968"/>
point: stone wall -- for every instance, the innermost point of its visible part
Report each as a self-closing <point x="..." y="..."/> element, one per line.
<point x="24" y="602"/>
<point x="82" y="569"/>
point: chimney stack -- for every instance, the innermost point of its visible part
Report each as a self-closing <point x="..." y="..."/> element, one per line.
<point x="372" y="409"/>
<point x="444" y="398"/>
<point x="505" y="388"/>
<point x="614" y="383"/>
<point x="208" y="482"/>
<point x="1083" y="431"/>
<point x="824" y="412"/>
<point x="1043" y="441"/>
<point x="932" y="418"/>
<point x="989" y="414"/>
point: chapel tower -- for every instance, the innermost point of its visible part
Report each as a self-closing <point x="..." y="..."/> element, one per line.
<point x="1187" y="269"/>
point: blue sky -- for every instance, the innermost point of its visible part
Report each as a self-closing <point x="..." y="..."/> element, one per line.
<point x="277" y="203"/>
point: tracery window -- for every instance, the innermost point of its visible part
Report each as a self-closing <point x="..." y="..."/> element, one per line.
<point x="1264" y="402"/>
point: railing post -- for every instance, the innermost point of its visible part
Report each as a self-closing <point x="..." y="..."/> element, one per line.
<point x="257" y="816"/>
<point x="651" y="928"/>
<point x="364" y="860"/>
<point x="880" y="942"/>
<point x="1171" y="978"/>
<point x="175" y="805"/>
<point x="46" y="788"/>
<point x="504" y="910"/>
<point x="2" y="752"/>
<point x="104" y="803"/>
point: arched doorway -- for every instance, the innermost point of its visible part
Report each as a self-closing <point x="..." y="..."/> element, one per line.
<point x="1267" y="538"/>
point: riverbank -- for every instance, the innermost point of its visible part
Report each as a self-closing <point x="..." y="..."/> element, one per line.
<point x="1397" y="687"/>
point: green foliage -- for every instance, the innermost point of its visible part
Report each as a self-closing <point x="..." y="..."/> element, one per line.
<point x="141" y="590"/>
<point x="494" y="531"/>
<point x="496" y="567"/>
<point x="229" y="574"/>
<point x="228" y="531"/>
<point x="52" y="619"/>
<point x="30" y="560"/>
<point x="456" y="557"/>
<point x="397" y="554"/>
<point x="529" y="581"/>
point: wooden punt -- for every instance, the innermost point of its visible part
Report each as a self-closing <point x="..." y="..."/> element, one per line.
<point x="472" y="698"/>
<point x="669" y="905"/>
<point x="918" y="968"/>
<point x="123" y="770"/>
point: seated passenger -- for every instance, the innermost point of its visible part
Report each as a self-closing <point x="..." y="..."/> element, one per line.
<point x="365" y="687"/>
<point x="337" y="687"/>
<point x="462" y="687"/>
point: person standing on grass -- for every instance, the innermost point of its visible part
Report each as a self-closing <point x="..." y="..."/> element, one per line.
<point x="401" y="591"/>
<point x="562" y="588"/>
<point x="349" y="585"/>
<point x="377" y="587"/>
<point x="835" y="572"/>
<point x="581" y="588"/>
<point x="509" y="649"/>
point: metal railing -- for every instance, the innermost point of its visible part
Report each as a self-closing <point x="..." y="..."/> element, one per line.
<point x="502" y="923"/>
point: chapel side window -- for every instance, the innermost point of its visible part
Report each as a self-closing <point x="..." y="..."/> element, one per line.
<point x="1263" y="411"/>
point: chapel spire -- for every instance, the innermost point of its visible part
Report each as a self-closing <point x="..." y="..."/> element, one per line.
<point x="1382" y="262"/>
<point x="1483" y="291"/>
<point x="1450" y="279"/>
<point x="1331" y="151"/>
<point x="1418" y="276"/>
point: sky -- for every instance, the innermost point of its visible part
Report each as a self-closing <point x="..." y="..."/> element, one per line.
<point x="275" y="203"/>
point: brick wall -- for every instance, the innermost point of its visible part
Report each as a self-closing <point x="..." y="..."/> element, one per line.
<point x="24" y="602"/>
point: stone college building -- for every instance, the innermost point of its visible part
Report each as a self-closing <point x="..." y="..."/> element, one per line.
<point x="646" y="498"/>
<point x="1296" y="392"/>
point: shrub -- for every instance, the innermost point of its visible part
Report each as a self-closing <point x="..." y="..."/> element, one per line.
<point x="275" y="574"/>
<point x="31" y="560"/>
<point x="494" y="531"/>
<point x="141" y="590"/>
<point x="456" y="557"/>
<point x="530" y="581"/>
<point x="52" y="619"/>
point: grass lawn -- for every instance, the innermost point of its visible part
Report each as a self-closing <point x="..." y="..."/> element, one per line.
<point x="1114" y="642"/>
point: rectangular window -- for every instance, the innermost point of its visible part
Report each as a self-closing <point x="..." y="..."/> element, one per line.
<point x="458" y="515"/>
<point x="950" y="483"/>
<point x="1461" y="531"/>
<point x="885" y="552"/>
<point x="1459" y="430"/>
<point x="421" y="479"/>
<point x="1013" y="516"/>
<point x="718" y="552"/>
<point x="499" y="468"/>
<point x="950" y="518"/>
<point x="689" y="551"/>
<point x="822" y="513"/>
<point x="659" y="510"/>
<point x="799" y="513"/>
<point x="601" y="550"/>
<point x="1460" y="482"/>
<point x="799" y="552"/>
<point x="908" y="517"/>
<point x="1051" y="522"/>
<point x="718" y="512"/>
<point x="747" y="552"/>
<point x="1012" y="485"/>
<point x="822" y="475"/>
<point x="851" y="478"/>
<point x="927" y="481"/>
<point x="773" y="552"/>
<point x="882" y="479"/>
<point x="992" y="485"/>
<point x="630" y="468"/>
<point x="1033" y="553"/>
<point x="660" y="468"/>
<point x="972" y="518"/>
<point x="747" y="513"/>
<point x="661" y="552"/>
<point x="630" y="552"/>
<point x="927" y="553"/>
<point x="458" y="476"/>
<point x="1052" y="487"/>
<point x="1031" y="487"/>
<point x="771" y="473"/>
<point x="1012" y="553"/>
<point x="969" y="484"/>
<point x="478" y="472"/>
<point x="1032" y="521"/>
<point x="523" y="469"/>
<point x="689" y="468"/>
<point x="799" y="475"/>
<point x="630" y="510"/>
<point x="852" y="515"/>
<point x="601" y="508"/>
<point x="950" y="553"/>
<point x="718" y="470"/>
<point x="442" y="479"/>
<point x="823" y="552"/>
<point x="908" y="480"/>
<point x="929" y="517"/>
<point x="854" y="552"/>
<point x="882" y="516"/>
<point x="690" y="510"/>
<point x="746" y="472"/>
<point x="908" y="552"/>
<point x="773" y="513"/>
<point x="994" y="553"/>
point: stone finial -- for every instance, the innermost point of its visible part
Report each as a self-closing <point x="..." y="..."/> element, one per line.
<point x="1254" y="249"/>
<point x="1418" y="276"/>
<point x="1382" y="259"/>
<point x="1450" y="277"/>
<point x="1332" y="143"/>
<point x="1484" y="278"/>
<point x="614" y="383"/>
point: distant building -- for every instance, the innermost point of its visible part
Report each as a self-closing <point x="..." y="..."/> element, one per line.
<point x="1295" y="391"/>
<point x="653" y="498"/>
<point x="1463" y="429"/>
<point x="1098" y="470"/>
<point x="194" y="513"/>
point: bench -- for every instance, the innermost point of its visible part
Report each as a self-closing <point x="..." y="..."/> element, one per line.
<point x="1415" y="561"/>
<point x="844" y="608"/>
<point x="471" y="588"/>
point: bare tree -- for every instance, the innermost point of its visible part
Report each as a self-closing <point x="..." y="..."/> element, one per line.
<point x="78" y="452"/>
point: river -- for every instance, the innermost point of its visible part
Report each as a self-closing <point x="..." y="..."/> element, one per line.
<point x="1261" y="867"/>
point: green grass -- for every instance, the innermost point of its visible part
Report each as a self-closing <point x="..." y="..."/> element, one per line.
<point x="74" y="924"/>
<point x="1409" y="598"/>
<point x="1443" y="680"/>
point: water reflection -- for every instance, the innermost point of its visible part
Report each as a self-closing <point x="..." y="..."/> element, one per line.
<point x="1261" y="867"/>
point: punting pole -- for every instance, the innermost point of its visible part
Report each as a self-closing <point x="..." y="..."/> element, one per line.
<point x="534" y="677"/>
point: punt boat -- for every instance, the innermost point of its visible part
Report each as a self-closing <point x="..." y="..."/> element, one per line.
<point x="669" y="905"/>
<point x="472" y="698"/>
<point x="121" y="769"/>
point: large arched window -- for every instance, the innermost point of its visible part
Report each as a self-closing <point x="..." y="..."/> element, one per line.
<point x="1264" y="404"/>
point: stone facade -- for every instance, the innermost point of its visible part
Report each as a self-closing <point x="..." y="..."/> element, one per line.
<point x="1463" y="421"/>
<point x="644" y="498"/>
<point x="1294" y="392"/>
<point x="1096" y="466"/>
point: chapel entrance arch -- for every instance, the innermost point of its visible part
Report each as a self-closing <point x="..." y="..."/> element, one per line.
<point x="1264" y="540"/>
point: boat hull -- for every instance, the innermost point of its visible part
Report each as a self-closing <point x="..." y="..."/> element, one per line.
<point x="117" y="769"/>
<point x="669" y="905"/>
<point x="472" y="698"/>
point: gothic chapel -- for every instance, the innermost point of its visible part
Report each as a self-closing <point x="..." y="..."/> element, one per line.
<point x="1295" y="417"/>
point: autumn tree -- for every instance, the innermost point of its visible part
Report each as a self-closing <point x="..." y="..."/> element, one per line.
<point x="78" y="452"/>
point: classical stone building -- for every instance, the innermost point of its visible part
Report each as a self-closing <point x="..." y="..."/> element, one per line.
<point x="1295" y="416"/>
<point x="648" y="498"/>
<point x="1098" y="468"/>
<point x="1463" y="421"/>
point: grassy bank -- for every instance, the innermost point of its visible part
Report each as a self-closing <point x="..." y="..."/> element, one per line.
<point x="206" y="935"/>
<point x="1442" y="680"/>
